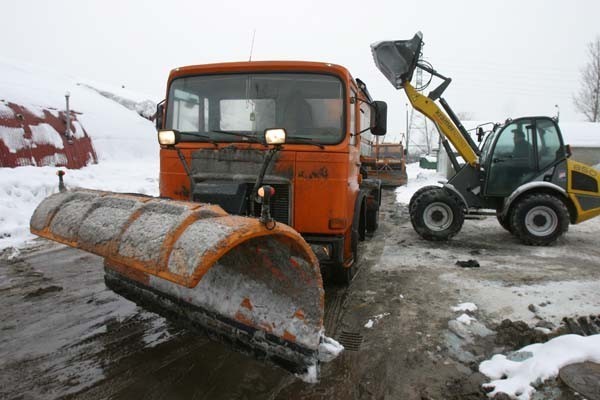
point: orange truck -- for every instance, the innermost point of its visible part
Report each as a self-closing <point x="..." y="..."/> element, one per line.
<point x="261" y="192"/>
<point x="221" y="112"/>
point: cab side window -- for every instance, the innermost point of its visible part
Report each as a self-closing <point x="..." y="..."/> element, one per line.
<point x="366" y="138"/>
<point x="550" y="148"/>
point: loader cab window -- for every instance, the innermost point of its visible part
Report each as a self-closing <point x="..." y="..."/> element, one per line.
<point x="549" y="142"/>
<point x="310" y="106"/>
<point x="512" y="159"/>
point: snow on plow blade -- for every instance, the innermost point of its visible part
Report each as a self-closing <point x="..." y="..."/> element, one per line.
<point x="258" y="289"/>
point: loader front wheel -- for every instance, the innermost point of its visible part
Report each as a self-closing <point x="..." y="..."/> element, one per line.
<point x="437" y="214"/>
<point x="539" y="219"/>
<point x="418" y="193"/>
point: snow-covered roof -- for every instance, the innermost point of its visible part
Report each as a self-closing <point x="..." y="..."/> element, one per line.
<point x="581" y="134"/>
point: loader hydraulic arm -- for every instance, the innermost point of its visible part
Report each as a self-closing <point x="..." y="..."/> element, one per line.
<point x="446" y="127"/>
<point x="398" y="60"/>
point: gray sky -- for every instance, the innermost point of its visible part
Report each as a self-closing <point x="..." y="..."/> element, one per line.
<point x="506" y="58"/>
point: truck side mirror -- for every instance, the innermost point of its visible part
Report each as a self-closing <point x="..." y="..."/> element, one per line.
<point x="160" y="112"/>
<point x="568" y="150"/>
<point x="379" y="118"/>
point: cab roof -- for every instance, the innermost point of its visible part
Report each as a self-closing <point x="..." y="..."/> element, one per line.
<point x="261" y="66"/>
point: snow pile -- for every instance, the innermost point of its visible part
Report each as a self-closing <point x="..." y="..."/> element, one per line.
<point x="417" y="178"/>
<point x="46" y="134"/>
<point x="465" y="319"/>
<point x="581" y="134"/>
<point x="117" y="133"/>
<point x="540" y="362"/>
<point x="311" y="375"/>
<point x="144" y="107"/>
<point x="471" y="307"/>
<point x="329" y="349"/>
<point x="13" y="138"/>
<point x="23" y="188"/>
<point x="125" y="143"/>
<point x="371" y="322"/>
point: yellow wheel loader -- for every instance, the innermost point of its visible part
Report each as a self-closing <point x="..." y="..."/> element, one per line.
<point x="522" y="172"/>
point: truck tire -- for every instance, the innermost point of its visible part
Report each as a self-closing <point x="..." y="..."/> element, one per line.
<point x="539" y="219"/>
<point x="372" y="221"/>
<point x="418" y="193"/>
<point x="437" y="214"/>
<point x="343" y="275"/>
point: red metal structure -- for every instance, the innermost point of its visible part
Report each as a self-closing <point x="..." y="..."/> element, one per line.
<point x="39" y="138"/>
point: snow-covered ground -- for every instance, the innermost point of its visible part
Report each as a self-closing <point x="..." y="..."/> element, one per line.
<point x="518" y="373"/>
<point x="125" y="143"/>
<point x="516" y="282"/>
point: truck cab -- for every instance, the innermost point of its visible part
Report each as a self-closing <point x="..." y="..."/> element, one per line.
<point x="221" y="112"/>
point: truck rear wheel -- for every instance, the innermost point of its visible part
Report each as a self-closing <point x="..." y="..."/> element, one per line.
<point x="372" y="221"/>
<point x="437" y="214"/>
<point x="539" y="219"/>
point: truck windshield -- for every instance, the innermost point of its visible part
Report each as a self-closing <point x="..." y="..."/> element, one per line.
<point x="239" y="107"/>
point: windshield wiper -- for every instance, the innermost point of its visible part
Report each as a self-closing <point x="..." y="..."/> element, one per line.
<point x="209" y="139"/>
<point x="240" y="134"/>
<point x="305" y="140"/>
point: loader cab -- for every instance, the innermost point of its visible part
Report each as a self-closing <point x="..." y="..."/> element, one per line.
<point x="519" y="151"/>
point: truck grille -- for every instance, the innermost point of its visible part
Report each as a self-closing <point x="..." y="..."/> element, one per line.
<point x="280" y="203"/>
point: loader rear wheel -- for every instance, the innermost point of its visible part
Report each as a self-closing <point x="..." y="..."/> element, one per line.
<point x="437" y="214"/>
<point x="505" y="221"/>
<point x="539" y="219"/>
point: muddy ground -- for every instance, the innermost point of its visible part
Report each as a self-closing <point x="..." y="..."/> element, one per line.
<point x="64" y="335"/>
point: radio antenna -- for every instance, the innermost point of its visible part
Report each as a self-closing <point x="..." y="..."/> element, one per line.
<point x="252" y="45"/>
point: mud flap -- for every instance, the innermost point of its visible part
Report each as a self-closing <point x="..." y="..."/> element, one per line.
<point x="253" y="287"/>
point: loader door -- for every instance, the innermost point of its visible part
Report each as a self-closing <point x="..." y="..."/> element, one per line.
<point x="513" y="159"/>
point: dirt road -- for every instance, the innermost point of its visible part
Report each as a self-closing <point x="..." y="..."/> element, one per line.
<point x="64" y="335"/>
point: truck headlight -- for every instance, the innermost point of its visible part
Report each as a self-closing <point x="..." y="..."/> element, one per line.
<point x="275" y="136"/>
<point x="168" y="137"/>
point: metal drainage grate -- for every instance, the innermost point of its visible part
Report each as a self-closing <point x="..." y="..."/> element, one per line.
<point x="351" y="340"/>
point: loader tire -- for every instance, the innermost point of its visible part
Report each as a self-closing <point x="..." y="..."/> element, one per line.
<point x="505" y="221"/>
<point x="418" y="193"/>
<point x="437" y="214"/>
<point x="539" y="219"/>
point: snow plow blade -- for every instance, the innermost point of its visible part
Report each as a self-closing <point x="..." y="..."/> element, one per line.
<point x="257" y="289"/>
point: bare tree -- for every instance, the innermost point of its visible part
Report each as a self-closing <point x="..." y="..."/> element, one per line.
<point x="587" y="101"/>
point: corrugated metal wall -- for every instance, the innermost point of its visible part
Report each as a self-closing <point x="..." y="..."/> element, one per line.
<point x="38" y="137"/>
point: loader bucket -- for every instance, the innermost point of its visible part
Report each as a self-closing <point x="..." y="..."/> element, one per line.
<point x="397" y="59"/>
<point x="258" y="289"/>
